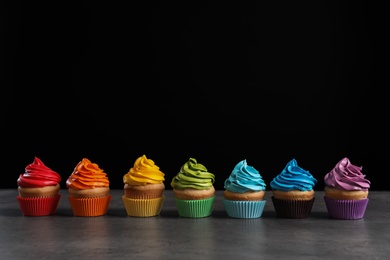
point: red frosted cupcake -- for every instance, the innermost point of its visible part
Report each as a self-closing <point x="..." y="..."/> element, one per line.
<point x="38" y="190"/>
<point x="346" y="191"/>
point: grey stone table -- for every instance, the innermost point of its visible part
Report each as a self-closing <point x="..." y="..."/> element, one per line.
<point x="169" y="236"/>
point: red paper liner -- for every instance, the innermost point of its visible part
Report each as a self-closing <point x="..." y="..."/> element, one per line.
<point x="346" y="209"/>
<point x="292" y="208"/>
<point x="90" y="207"/>
<point x="43" y="206"/>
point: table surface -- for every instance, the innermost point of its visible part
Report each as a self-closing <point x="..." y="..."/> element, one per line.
<point x="169" y="236"/>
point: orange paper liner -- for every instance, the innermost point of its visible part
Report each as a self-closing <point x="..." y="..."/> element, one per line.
<point x="143" y="207"/>
<point x="90" y="207"/>
<point x="43" y="206"/>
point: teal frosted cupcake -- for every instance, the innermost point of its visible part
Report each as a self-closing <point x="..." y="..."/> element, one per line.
<point x="292" y="191"/>
<point x="194" y="190"/>
<point x="244" y="192"/>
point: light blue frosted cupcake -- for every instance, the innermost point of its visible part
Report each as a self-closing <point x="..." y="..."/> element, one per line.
<point x="244" y="192"/>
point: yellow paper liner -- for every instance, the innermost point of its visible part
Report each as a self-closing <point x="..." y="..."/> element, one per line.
<point x="143" y="207"/>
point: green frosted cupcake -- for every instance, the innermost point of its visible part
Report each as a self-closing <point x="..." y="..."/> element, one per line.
<point x="194" y="190"/>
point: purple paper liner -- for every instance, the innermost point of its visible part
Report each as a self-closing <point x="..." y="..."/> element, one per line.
<point x="244" y="209"/>
<point x="346" y="209"/>
<point x="292" y="208"/>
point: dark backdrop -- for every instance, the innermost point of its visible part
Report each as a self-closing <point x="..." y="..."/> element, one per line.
<point x="265" y="81"/>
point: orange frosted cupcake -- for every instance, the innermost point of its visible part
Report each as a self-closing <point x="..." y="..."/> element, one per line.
<point x="89" y="192"/>
<point x="143" y="188"/>
<point x="38" y="189"/>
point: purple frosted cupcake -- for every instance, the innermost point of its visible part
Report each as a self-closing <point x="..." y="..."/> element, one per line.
<point x="244" y="192"/>
<point x="346" y="191"/>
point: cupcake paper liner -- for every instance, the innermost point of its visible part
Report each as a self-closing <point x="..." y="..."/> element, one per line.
<point x="346" y="209"/>
<point x="143" y="207"/>
<point x="43" y="206"/>
<point x="292" y="208"/>
<point x="195" y="208"/>
<point x="90" y="207"/>
<point x="244" y="209"/>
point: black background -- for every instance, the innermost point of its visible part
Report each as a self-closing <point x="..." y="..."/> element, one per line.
<point x="265" y="81"/>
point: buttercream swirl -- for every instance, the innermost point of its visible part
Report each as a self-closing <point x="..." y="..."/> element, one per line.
<point x="346" y="176"/>
<point x="87" y="175"/>
<point x="293" y="177"/>
<point x="193" y="175"/>
<point x="144" y="171"/>
<point x="244" y="178"/>
<point x="37" y="175"/>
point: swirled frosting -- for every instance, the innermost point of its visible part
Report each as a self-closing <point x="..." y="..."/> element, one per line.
<point x="244" y="178"/>
<point x="346" y="176"/>
<point x="144" y="171"/>
<point x="193" y="175"/>
<point x="37" y="175"/>
<point x="293" y="177"/>
<point x="87" y="175"/>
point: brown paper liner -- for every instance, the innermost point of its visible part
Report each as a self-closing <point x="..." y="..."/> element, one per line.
<point x="292" y="208"/>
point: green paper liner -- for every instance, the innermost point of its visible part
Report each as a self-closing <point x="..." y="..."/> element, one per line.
<point x="143" y="207"/>
<point x="195" y="208"/>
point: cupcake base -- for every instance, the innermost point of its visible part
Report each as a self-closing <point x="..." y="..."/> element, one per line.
<point x="143" y="207"/>
<point x="43" y="206"/>
<point x="346" y="209"/>
<point x="244" y="209"/>
<point x="292" y="208"/>
<point x="195" y="208"/>
<point x="89" y="207"/>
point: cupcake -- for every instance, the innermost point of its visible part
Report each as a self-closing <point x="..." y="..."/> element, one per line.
<point x="346" y="191"/>
<point x="88" y="188"/>
<point x="194" y="190"/>
<point x="143" y="188"/>
<point x="38" y="189"/>
<point x="244" y="192"/>
<point x="292" y="192"/>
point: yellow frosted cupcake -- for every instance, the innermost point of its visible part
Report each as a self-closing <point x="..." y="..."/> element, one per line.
<point x="194" y="190"/>
<point x="89" y="192"/>
<point x="143" y="189"/>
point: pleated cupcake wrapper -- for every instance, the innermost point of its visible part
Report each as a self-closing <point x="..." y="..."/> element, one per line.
<point x="292" y="208"/>
<point x="195" y="208"/>
<point x="43" y="206"/>
<point x="244" y="209"/>
<point x="346" y="209"/>
<point x="143" y="207"/>
<point x="90" y="207"/>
